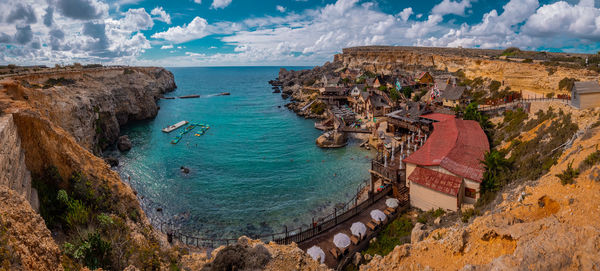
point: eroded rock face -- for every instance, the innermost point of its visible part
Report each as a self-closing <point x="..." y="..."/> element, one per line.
<point x="98" y="103"/>
<point x="418" y="233"/>
<point x="28" y="236"/>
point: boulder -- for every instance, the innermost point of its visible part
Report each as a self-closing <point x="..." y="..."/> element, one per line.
<point x="418" y="233"/>
<point x="357" y="259"/>
<point x="456" y="240"/>
<point x="438" y="220"/>
<point x="124" y="143"/>
<point x="113" y="162"/>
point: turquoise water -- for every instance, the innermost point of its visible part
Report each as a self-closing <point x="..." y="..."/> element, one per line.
<point x="256" y="169"/>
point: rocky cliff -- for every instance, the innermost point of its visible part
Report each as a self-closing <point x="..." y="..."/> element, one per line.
<point x="15" y="174"/>
<point x="92" y="105"/>
<point x="475" y="63"/>
<point x="51" y="124"/>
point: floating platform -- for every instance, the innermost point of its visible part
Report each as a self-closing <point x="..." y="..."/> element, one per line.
<point x="174" y="127"/>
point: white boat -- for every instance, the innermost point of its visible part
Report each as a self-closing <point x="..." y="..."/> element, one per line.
<point x="174" y="127"/>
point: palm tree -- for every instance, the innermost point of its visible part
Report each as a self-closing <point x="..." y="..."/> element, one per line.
<point x="496" y="166"/>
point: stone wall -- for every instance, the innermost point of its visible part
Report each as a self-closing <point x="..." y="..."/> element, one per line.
<point x="13" y="171"/>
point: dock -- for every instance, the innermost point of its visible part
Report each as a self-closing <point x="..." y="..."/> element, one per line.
<point x="174" y="127"/>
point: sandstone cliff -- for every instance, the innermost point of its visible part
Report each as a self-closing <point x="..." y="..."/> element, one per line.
<point x="92" y="105"/>
<point x="475" y="63"/>
<point x="49" y="122"/>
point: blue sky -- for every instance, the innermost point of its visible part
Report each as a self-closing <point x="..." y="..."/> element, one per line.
<point x="271" y="32"/>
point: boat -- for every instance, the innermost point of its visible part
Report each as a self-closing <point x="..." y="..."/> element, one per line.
<point x="224" y="94"/>
<point x="189" y="96"/>
<point x="174" y="127"/>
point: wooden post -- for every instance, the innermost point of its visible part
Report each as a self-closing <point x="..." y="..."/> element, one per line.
<point x="335" y="215"/>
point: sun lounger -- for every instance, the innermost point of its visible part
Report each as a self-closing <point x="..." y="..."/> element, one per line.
<point x="371" y="226"/>
<point x="390" y="209"/>
<point x="354" y="240"/>
<point x="387" y="212"/>
<point x="335" y="252"/>
<point x="376" y="222"/>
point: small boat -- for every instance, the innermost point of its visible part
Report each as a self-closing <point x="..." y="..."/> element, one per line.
<point x="224" y="94"/>
<point x="189" y="96"/>
<point x="174" y="127"/>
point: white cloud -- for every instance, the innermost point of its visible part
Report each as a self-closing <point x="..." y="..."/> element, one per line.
<point x="196" y="29"/>
<point x="134" y="20"/>
<point x="451" y="7"/>
<point x="164" y="47"/>
<point x="405" y="14"/>
<point x="162" y="15"/>
<point x="280" y="8"/>
<point x="217" y="4"/>
<point x="563" y="19"/>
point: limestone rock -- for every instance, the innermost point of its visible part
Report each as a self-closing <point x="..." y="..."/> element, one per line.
<point x="595" y="174"/>
<point x="357" y="258"/>
<point x="113" y="162"/>
<point x="124" y="143"/>
<point x="418" y="233"/>
<point x="438" y="220"/>
<point x="456" y="240"/>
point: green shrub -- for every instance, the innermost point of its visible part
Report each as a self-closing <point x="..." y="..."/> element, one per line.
<point x="568" y="175"/>
<point x="495" y="86"/>
<point x="511" y="51"/>
<point x="550" y="95"/>
<point x="590" y="160"/>
<point x="93" y="251"/>
<point x="468" y="214"/>
<point x="318" y="108"/>
<point x="396" y="233"/>
<point x="527" y="60"/>
<point x="566" y="83"/>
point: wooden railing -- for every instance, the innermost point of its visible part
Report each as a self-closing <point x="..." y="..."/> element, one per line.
<point x="389" y="172"/>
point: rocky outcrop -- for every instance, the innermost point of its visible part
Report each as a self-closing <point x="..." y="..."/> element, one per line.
<point x="332" y="139"/>
<point x="92" y="106"/>
<point x="124" y="143"/>
<point x="60" y="126"/>
<point x="249" y="254"/>
<point x="474" y="62"/>
<point x="15" y="174"/>
<point x="28" y="237"/>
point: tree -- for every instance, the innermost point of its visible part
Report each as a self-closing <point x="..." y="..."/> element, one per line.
<point x="496" y="166"/>
<point x="471" y="113"/>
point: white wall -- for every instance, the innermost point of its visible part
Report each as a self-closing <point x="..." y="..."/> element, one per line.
<point x="426" y="199"/>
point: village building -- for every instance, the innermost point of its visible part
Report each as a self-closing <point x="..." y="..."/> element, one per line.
<point x="351" y="74"/>
<point x="377" y="106"/>
<point x="425" y="78"/>
<point x="446" y="172"/>
<point x="370" y="82"/>
<point x="452" y="96"/>
<point x="408" y="118"/>
<point x="585" y="95"/>
<point x="330" y="81"/>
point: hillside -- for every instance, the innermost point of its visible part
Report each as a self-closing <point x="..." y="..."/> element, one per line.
<point x="552" y="228"/>
<point x="53" y="124"/>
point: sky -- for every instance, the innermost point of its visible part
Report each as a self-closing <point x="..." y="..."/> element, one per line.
<point x="275" y="32"/>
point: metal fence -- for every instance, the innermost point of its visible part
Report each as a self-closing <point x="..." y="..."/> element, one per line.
<point x="340" y="214"/>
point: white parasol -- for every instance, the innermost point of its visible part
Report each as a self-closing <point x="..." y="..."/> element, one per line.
<point x="358" y="228"/>
<point x="316" y="253"/>
<point x="378" y="215"/>
<point x="391" y="202"/>
<point x="341" y="240"/>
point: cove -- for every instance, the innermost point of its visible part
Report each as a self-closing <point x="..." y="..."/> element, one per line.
<point x="256" y="170"/>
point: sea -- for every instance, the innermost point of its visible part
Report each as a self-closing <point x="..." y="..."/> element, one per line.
<point x="257" y="169"/>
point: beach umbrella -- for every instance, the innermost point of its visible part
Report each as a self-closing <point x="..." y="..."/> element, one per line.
<point x="358" y="229"/>
<point x="391" y="202"/>
<point x="341" y="240"/>
<point x="316" y="253"/>
<point x="378" y="215"/>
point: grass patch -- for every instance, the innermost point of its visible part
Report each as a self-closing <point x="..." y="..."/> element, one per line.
<point x="468" y="214"/>
<point x="392" y="235"/>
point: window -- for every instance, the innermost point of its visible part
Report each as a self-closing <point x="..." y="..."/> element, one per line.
<point x="471" y="193"/>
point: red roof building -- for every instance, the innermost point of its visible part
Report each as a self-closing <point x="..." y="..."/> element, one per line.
<point x="437" y="181"/>
<point x="439" y="117"/>
<point x="448" y="164"/>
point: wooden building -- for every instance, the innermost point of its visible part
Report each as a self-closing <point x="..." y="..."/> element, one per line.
<point x="585" y="95"/>
<point x="425" y="78"/>
<point x="446" y="172"/>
